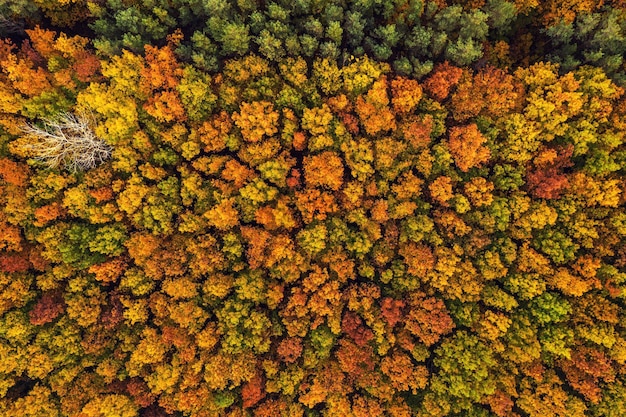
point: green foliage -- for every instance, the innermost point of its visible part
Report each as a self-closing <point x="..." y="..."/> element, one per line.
<point x="597" y="39"/>
<point x="465" y="371"/>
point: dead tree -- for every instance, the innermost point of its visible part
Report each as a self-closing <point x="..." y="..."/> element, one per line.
<point x="67" y="142"/>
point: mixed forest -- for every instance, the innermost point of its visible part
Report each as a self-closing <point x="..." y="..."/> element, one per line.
<point x="312" y="208"/>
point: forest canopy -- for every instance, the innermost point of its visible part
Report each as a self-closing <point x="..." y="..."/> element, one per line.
<point x="313" y="208"/>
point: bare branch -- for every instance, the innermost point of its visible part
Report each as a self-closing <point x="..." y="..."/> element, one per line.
<point x="68" y="142"/>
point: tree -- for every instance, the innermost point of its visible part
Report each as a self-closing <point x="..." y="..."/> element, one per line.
<point x="427" y="318"/>
<point x="491" y="92"/>
<point x="325" y="170"/>
<point x="406" y="94"/>
<point x="463" y="379"/>
<point x="441" y="81"/>
<point x="235" y="39"/>
<point x="68" y="142"/>
<point x="466" y="146"/>
<point x="256" y="120"/>
<point x="546" y="181"/>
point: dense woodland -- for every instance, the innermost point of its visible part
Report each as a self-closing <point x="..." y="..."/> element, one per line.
<point x="313" y="208"/>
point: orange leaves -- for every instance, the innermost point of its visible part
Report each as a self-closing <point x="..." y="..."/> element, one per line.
<point x="404" y="376"/>
<point x="546" y="180"/>
<point x="466" y="146"/>
<point x="50" y="63"/>
<point x="353" y="326"/>
<point x="441" y="81"/>
<point x="202" y="256"/>
<point x="299" y="141"/>
<point x="13" y="172"/>
<point x="500" y="403"/>
<point x="585" y="370"/>
<point x="387" y="151"/>
<point x="274" y="218"/>
<point x="180" y="288"/>
<point x="10" y="236"/>
<point x="314" y="302"/>
<point x="102" y="194"/>
<point x="363" y="406"/>
<point x="15" y="262"/>
<point x="86" y="66"/>
<point x="493" y="325"/>
<point x="110" y="271"/>
<point x="224" y="215"/>
<point x="549" y="398"/>
<point x="325" y="170"/>
<point x="451" y="224"/>
<point x="491" y="92"/>
<point x="156" y="259"/>
<point x="49" y="212"/>
<point x="159" y="79"/>
<point x="253" y="391"/>
<point x="315" y="245"/>
<point x="406" y="94"/>
<point x="42" y="42"/>
<point x="277" y="407"/>
<point x="327" y="381"/>
<point x="26" y="79"/>
<point x="23" y="75"/>
<point x="427" y="318"/>
<point x="213" y="134"/>
<point x="48" y="308"/>
<point x="140" y="392"/>
<point x="408" y="186"/>
<point x="258" y="241"/>
<point x="373" y="109"/>
<point x="237" y="173"/>
<point x="441" y="190"/>
<point x="314" y="204"/>
<point x="290" y="349"/>
<point x="392" y="310"/>
<point x="418" y="258"/>
<point x="417" y="130"/>
<point x="162" y="70"/>
<point x="341" y="265"/>
<point x="554" y="12"/>
<point x="380" y="211"/>
<point x="479" y="191"/>
<point x="325" y="297"/>
<point x="165" y="106"/>
<point x="294" y="315"/>
<point x="572" y="284"/>
<point x="356" y="360"/>
<point x="256" y="120"/>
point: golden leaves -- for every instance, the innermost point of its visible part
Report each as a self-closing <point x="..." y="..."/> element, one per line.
<point x="256" y="119"/>
<point x="466" y="145"/>
<point x="325" y="170"/>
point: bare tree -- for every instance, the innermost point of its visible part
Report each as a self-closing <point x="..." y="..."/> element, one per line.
<point x="67" y="141"/>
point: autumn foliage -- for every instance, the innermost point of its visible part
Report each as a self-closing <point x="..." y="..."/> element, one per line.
<point x="315" y="209"/>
